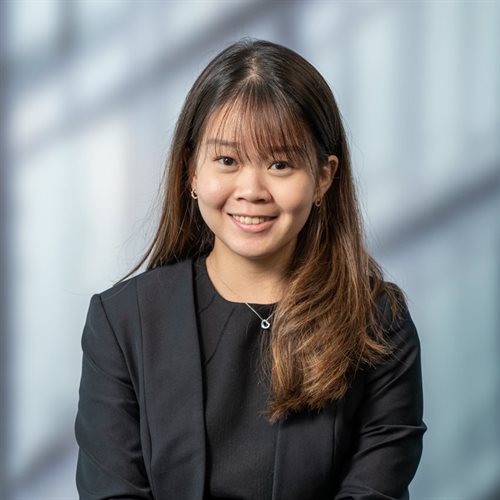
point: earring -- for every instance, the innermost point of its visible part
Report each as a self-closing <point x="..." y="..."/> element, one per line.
<point x="194" y="195"/>
<point x="317" y="202"/>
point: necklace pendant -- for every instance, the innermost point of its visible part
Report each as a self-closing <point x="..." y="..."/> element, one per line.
<point x="265" y="324"/>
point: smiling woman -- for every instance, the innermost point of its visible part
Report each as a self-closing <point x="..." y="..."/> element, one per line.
<point x="255" y="202"/>
<point x="261" y="354"/>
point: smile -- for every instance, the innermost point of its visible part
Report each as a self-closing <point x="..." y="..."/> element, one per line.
<point x="243" y="219"/>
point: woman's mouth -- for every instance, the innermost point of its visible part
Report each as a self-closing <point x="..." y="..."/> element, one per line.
<point x="253" y="224"/>
<point x="244" y="219"/>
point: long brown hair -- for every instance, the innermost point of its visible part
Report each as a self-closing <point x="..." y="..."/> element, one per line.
<point x="328" y="323"/>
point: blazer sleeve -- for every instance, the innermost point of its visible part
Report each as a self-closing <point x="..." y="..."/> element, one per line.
<point x="388" y="443"/>
<point x="110" y="461"/>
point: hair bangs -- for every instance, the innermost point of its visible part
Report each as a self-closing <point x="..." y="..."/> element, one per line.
<point x="259" y="126"/>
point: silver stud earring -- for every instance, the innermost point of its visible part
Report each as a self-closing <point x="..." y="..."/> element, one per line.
<point x="194" y="195"/>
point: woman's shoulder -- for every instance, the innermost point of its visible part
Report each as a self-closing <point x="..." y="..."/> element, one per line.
<point x="389" y="300"/>
<point x="148" y="284"/>
<point x="395" y="319"/>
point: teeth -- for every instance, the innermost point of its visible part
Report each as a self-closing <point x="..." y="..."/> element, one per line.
<point x="250" y="220"/>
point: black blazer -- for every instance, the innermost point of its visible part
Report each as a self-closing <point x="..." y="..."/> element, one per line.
<point x="140" y="422"/>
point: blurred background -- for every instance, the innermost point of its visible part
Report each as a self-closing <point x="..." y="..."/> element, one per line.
<point x="89" y="95"/>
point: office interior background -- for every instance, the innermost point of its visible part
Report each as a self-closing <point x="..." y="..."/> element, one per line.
<point x="89" y="95"/>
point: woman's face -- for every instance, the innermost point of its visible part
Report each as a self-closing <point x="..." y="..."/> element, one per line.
<point x="254" y="205"/>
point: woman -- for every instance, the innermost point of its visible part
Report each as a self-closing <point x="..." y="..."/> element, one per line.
<point x="260" y="355"/>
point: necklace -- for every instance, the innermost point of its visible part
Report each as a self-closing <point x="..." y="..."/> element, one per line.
<point x="264" y="322"/>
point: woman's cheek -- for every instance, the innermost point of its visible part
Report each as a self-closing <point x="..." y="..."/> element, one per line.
<point x="214" y="193"/>
<point x="297" y="199"/>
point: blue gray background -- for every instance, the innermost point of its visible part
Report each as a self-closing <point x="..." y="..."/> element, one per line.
<point x="90" y="91"/>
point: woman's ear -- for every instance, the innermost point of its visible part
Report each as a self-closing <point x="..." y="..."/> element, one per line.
<point x="327" y="173"/>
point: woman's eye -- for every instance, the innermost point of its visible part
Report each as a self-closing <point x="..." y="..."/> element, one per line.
<point x="226" y="161"/>
<point x="279" y="165"/>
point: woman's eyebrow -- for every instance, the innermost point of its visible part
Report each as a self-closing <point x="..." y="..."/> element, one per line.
<point x="221" y="142"/>
<point x="274" y="149"/>
<point x="287" y="149"/>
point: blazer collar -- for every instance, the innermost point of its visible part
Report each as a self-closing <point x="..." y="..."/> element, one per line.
<point x="174" y="402"/>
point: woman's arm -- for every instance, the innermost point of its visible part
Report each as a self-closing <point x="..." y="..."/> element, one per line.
<point x="390" y="426"/>
<point x="110" y="461"/>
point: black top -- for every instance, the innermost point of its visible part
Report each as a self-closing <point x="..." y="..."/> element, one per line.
<point x="240" y="441"/>
<point x="141" y="418"/>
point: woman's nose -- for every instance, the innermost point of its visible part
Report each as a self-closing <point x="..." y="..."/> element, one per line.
<point x="251" y="185"/>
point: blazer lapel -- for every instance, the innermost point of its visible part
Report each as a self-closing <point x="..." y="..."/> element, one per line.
<point x="173" y="384"/>
<point x="304" y="456"/>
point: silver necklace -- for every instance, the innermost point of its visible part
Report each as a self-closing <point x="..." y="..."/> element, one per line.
<point x="264" y="322"/>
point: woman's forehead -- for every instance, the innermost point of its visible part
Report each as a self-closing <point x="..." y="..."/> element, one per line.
<point x="261" y="131"/>
<point x="229" y="128"/>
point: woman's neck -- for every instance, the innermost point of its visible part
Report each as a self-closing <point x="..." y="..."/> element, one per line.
<point x="243" y="280"/>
